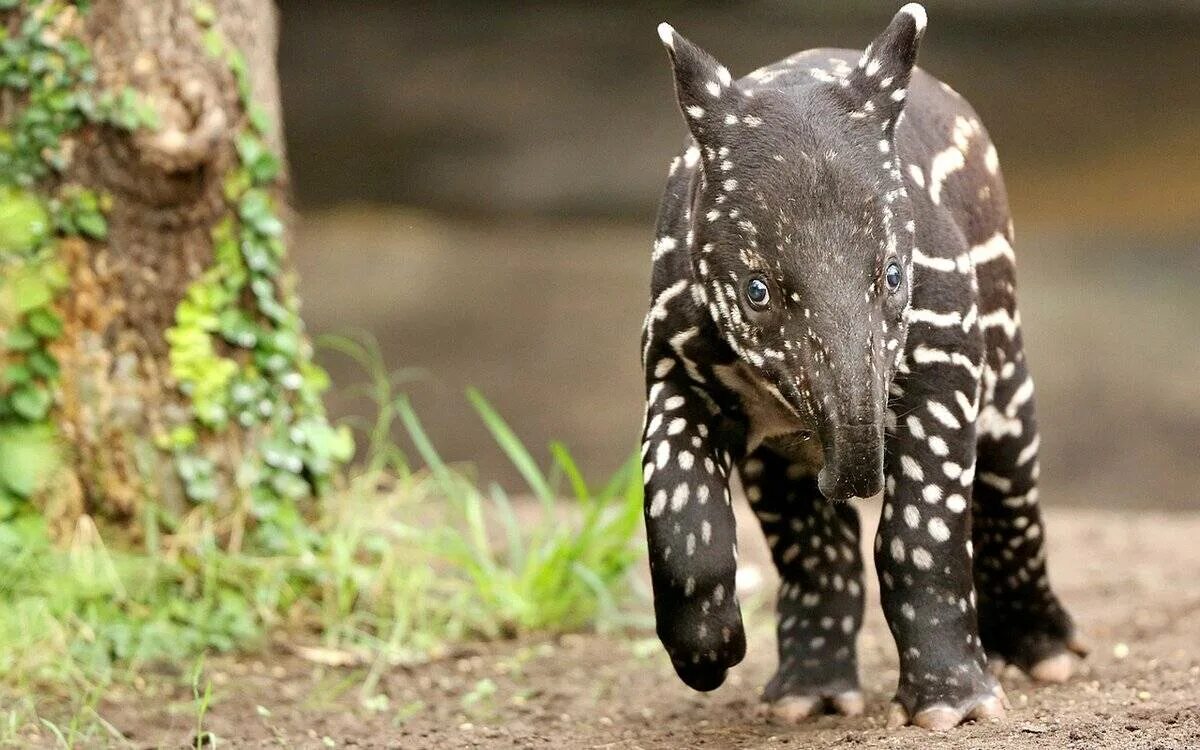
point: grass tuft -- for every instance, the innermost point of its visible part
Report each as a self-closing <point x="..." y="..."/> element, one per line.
<point x="400" y="562"/>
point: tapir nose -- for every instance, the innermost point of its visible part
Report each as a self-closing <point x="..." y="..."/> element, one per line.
<point x="853" y="462"/>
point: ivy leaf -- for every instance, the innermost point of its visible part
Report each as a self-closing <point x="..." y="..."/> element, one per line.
<point x="23" y="221"/>
<point x="93" y="224"/>
<point x="42" y="363"/>
<point x="31" y="402"/>
<point x="30" y="291"/>
<point x="27" y="457"/>
<point x="20" y="340"/>
<point x="45" y="323"/>
<point x="16" y="374"/>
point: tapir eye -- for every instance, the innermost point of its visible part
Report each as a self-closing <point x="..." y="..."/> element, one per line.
<point x="757" y="293"/>
<point x="893" y="276"/>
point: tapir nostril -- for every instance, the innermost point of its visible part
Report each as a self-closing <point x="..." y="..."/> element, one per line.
<point x="853" y="462"/>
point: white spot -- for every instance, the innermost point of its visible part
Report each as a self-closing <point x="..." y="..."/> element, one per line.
<point x="679" y="497"/>
<point x="956" y="504"/>
<point x="911" y="468"/>
<point x="655" y="423"/>
<point x="938" y="446"/>
<point x="938" y="529"/>
<point x="658" y="504"/>
<point x="662" y="246"/>
<point x="695" y="112"/>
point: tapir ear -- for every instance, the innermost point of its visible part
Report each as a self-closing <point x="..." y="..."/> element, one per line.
<point x="880" y="83"/>
<point x="706" y="92"/>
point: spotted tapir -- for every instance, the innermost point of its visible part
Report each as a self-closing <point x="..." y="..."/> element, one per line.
<point x="833" y="315"/>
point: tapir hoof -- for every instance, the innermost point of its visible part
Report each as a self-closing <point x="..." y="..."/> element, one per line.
<point x="701" y="677"/>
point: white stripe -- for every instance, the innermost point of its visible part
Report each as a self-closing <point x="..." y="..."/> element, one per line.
<point x="996" y="425"/>
<point x="933" y="318"/>
<point x="995" y="247"/>
<point x="924" y="355"/>
<point x="969" y="318"/>
<point x="1028" y="452"/>
<point x="969" y="410"/>
<point x="677" y="343"/>
<point x="944" y="164"/>
<point x="1001" y="319"/>
<point x="1003" y="484"/>
<point x="929" y="261"/>
<point x="658" y="311"/>
<point x="1020" y="397"/>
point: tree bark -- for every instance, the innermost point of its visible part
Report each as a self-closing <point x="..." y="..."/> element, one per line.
<point x="134" y="436"/>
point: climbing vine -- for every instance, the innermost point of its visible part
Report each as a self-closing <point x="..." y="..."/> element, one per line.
<point x="50" y="74"/>
<point x="238" y="349"/>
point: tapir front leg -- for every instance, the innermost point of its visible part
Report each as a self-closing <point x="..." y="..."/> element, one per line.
<point x="692" y="540"/>
<point x="923" y="551"/>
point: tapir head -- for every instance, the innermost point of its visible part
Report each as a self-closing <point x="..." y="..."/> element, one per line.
<point x="802" y="234"/>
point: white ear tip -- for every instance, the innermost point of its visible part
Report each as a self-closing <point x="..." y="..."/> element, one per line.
<point x="667" y="34"/>
<point x="917" y="11"/>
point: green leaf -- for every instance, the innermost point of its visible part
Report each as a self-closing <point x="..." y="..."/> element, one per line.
<point x="45" y="323"/>
<point x="43" y="363"/>
<point x="24" y="223"/>
<point x="16" y="374"/>
<point x="30" y="291"/>
<point x="20" y="340"/>
<point x="28" y="455"/>
<point x="93" y="224"/>
<point x="31" y="401"/>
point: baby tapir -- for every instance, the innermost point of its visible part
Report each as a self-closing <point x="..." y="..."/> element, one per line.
<point x="833" y="315"/>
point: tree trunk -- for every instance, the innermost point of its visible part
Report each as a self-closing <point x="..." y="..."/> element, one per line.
<point x="185" y="394"/>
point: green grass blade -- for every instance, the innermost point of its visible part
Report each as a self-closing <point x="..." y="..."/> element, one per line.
<point x="512" y="447"/>
<point x="574" y="476"/>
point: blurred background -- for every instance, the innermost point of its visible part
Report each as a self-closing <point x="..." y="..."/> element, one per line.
<point x="476" y="186"/>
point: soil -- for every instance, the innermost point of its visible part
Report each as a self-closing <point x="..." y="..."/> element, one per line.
<point x="1131" y="580"/>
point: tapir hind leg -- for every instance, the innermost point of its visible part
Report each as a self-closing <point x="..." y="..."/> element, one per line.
<point x="1020" y="619"/>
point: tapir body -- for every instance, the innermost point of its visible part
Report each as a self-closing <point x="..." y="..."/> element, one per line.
<point x="833" y="315"/>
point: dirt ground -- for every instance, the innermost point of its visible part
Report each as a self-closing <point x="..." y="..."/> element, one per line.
<point x="1132" y="581"/>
